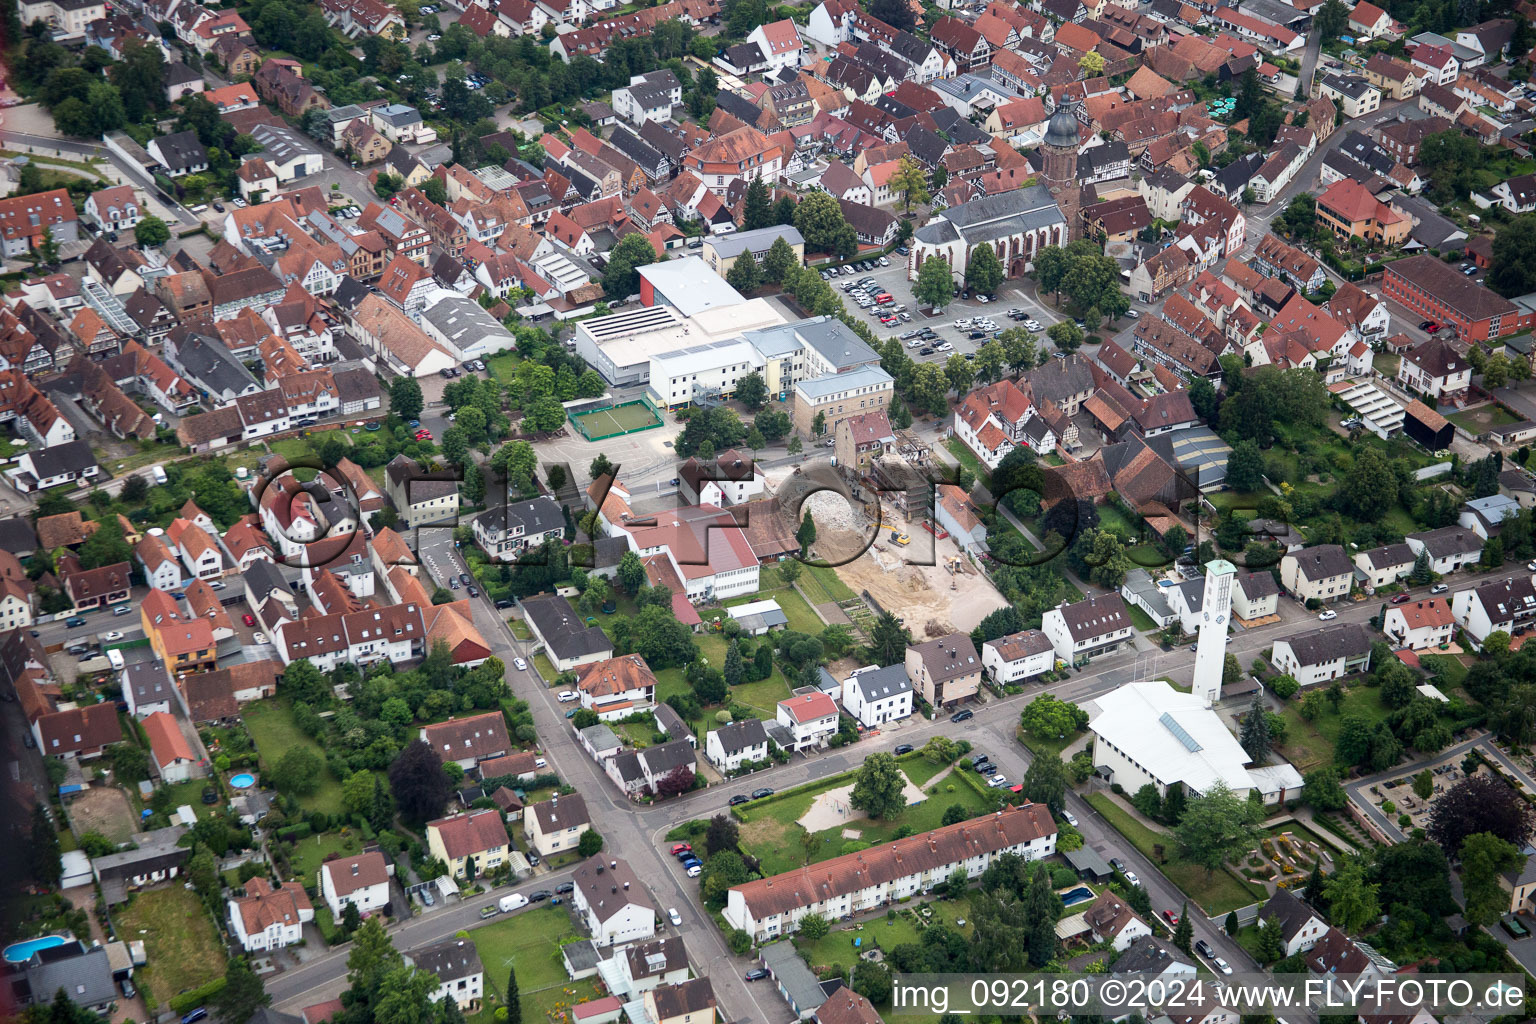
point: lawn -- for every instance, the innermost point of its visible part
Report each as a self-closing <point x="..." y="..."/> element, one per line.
<point x="1140" y="619"/>
<point x="771" y="830"/>
<point x="1482" y="419"/>
<point x="293" y="449"/>
<point x="544" y="667"/>
<point x="307" y="855"/>
<point x="1040" y="747"/>
<point x="531" y="942"/>
<point x="1447" y="666"/>
<point x="502" y="366"/>
<point x="829" y="581"/>
<point x="1310" y="744"/>
<point x="837" y="945"/>
<point x="1218" y="892"/>
<point x="179" y="938"/>
<point x="968" y="459"/>
<point x="272" y="729"/>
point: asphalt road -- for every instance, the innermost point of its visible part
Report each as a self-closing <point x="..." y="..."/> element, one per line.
<point x="135" y="174"/>
<point x="638" y="833"/>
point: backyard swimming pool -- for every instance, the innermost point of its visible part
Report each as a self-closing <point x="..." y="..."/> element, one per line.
<point x="1079" y="895"/>
<point x="245" y="780"/>
<point x="21" y="952"/>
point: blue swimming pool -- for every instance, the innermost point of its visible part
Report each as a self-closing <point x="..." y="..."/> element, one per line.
<point x="245" y="780"/>
<point x="1079" y="895"/>
<point x="21" y="952"/>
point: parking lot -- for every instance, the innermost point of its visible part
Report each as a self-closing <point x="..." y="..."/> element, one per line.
<point x="893" y="280"/>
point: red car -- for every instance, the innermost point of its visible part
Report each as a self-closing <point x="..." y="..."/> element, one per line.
<point x="682" y="848"/>
<point x="423" y="435"/>
<point x="248" y="619"/>
<point x="1402" y="598"/>
<point x="1171" y="918"/>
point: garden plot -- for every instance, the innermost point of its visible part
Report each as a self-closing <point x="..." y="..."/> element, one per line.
<point x="834" y="809"/>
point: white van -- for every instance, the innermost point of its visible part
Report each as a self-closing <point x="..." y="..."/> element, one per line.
<point x="158" y="472"/>
<point x="513" y="902"/>
<point x="115" y="656"/>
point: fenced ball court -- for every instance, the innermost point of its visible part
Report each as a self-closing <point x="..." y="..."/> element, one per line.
<point x="602" y="420"/>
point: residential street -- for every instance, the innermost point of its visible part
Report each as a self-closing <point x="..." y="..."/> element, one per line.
<point x="638" y="833"/>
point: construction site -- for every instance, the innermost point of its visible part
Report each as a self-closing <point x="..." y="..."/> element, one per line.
<point x="895" y="566"/>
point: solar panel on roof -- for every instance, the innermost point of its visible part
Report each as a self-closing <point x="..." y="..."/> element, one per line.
<point x="1178" y="731"/>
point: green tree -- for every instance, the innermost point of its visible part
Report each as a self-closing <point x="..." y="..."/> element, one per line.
<point x="1184" y="934"/>
<point x="1331" y="20"/>
<point x="819" y="219"/>
<point x="590" y="843"/>
<point x="242" y="995"/>
<point x="958" y="373"/>
<point x="751" y="392"/>
<point x="405" y="400"/>
<point x="988" y="364"/>
<point x="878" y="790"/>
<point x="1255" y="736"/>
<point x="983" y="271"/>
<point x="1217" y="826"/>
<point x="1245" y="467"/>
<point x="1048" y="717"/>
<point x="151" y="231"/>
<point x="631" y="572"/>
<point x="1322" y="791"/>
<point x="1067" y="335"/>
<point x="805" y="534"/>
<point x="1042" y="908"/>
<point x="814" y="927"/>
<point x="1352" y="902"/>
<point x="935" y="285"/>
<point x="888" y="640"/>
<point x="744" y="275"/>
<point x="1271" y="941"/>
<point x="1514" y="258"/>
<point x="779" y="261"/>
<point x="735" y="666"/>
<point x="910" y="182"/>
<point x="1045" y="781"/>
<point x="298" y="771"/>
<point x="43" y="849"/>
<point x="1484" y="858"/>
<point x="757" y="211"/>
<point x="106" y="545"/>
<point x="1369" y="490"/>
<point x="47" y="248"/>
<point x="620" y="279"/>
<point x="513" y="998"/>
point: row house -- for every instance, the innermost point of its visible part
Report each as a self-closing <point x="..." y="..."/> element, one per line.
<point x="393" y="633"/>
<point x="839" y="888"/>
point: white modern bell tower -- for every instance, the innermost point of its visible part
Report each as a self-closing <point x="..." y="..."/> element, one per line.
<point x="1211" y="646"/>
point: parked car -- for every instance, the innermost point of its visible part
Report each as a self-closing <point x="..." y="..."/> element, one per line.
<point x="1221" y="965"/>
<point x="695" y="870"/>
<point x="674" y="917"/>
<point x="522" y="666"/>
<point x="997" y="781"/>
<point x="757" y="974"/>
<point x="903" y="748"/>
<point x="539" y="896"/>
<point x="681" y="848"/>
<point x="735" y="801"/>
<point x="1405" y="598"/>
<point x="758" y="794"/>
<point x="1130" y="878"/>
<point x="1327" y="616"/>
<point x="1204" y="948"/>
<point x="1117" y="864"/>
<point x="1171" y="918"/>
<point x="565" y="887"/>
<point x="1439" y="588"/>
<point x="566" y="696"/>
<point x="516" y="901"/>
<point x="962" y="716"/>
<point x="1070" y="818"/>
<point x="114" y="635"/>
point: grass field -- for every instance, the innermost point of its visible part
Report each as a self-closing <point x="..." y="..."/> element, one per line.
<point x="179" y="938"/>
<point x="530" y="942"/>
<point x="1217" y="893"/>
<point x="772" y="833"/>
<point x="271" y="725"/>
<point x="837" y="945"/>
<point x="1310" y="744"/>
<point x="968" y="459"/>
<point x="307" y="855"/>
<point x="1448" y="666"/>
<point x="830" y="582"/>
<point x="621" y="419"/>
<point x="1482" y="419"/>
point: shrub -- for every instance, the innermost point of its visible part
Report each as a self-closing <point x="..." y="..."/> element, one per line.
<point x="196" y="997"/>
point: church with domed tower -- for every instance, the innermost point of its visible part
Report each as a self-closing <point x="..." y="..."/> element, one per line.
<point x="1017" y="224"/>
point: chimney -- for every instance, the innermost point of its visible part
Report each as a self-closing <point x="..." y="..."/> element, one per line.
<point x="626" y="887"/>
<point x="613" y="864"/>
<point x="354" y="869"/>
